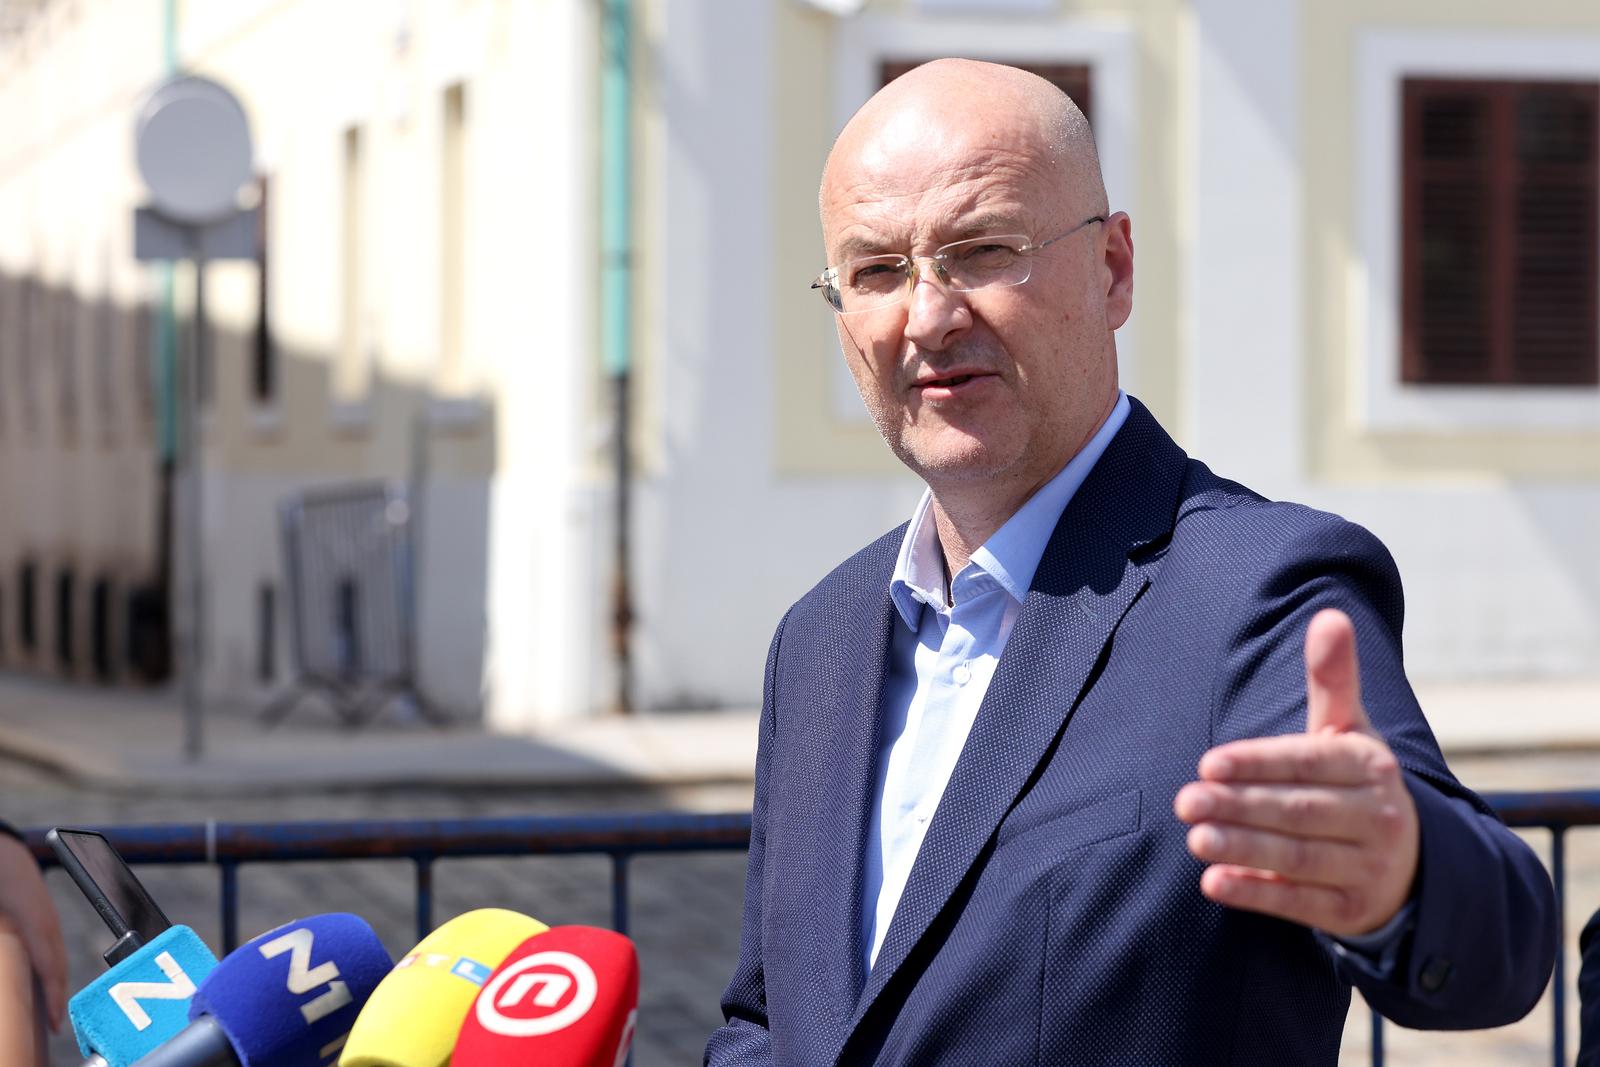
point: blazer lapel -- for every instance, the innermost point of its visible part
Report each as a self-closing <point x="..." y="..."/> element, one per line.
<point x="1087" y="579"/>
<point x="845" y="802"/>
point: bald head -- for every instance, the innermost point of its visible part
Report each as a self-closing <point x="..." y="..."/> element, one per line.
<point x="954" y="108"/>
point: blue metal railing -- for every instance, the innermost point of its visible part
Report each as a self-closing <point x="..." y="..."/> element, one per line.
<point x="228" y="845"/>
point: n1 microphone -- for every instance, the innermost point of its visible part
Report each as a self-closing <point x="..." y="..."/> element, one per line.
<point x="568" y="997"/>
<point x="415" y="1013"/>
<point x="142" y="1001"/>
<point x="286" y="998"/>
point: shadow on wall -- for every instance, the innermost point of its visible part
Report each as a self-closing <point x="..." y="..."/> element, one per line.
<point x="86" y="530"/>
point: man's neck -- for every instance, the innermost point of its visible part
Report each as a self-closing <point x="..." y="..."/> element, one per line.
<point x="969" y="516"/>
<point x="968" y="513"/>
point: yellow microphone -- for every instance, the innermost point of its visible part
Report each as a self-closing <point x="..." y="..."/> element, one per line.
<point x="416" y="1012"/>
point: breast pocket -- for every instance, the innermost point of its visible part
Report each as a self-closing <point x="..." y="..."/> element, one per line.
<point x="1037" y="846"/>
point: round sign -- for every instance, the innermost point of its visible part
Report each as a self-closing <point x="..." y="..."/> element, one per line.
<point x="529" y="1007"/>
<point x="193" y="149"/>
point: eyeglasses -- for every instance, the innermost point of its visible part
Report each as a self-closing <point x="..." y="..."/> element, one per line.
<point x="873" y="282"/>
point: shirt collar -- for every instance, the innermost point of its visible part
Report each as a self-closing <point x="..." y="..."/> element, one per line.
<point x="1012" y="553"/>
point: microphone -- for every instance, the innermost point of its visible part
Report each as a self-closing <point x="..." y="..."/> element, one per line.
<point x="286" y="998"/>
<point x="416" y="1011"/>
<point x="143" y="1001"/>
<point x="568" y="997"/>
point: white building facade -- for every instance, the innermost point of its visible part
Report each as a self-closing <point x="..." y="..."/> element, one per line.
<point x="432" y="275"/>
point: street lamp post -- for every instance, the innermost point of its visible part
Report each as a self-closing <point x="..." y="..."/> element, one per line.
<point x="194" y="153"/>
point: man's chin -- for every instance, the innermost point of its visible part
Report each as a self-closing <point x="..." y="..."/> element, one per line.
<point x="966" y="460"/>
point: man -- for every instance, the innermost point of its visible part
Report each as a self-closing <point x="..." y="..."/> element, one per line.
<point x="976" y="836"/>
<point x="33" y="955"/>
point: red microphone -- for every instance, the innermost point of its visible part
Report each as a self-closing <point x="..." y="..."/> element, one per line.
<point x="568" y="997"/>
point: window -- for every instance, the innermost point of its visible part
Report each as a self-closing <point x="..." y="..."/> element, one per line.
<point x="452" y="239"/>
<point x="266" y="633"/>
<point x="350" y="379"/>
<point x="10" y="319"/>
<point x="142" y="366"/>
<point x="27" y="605"/>
<point x="32" y="336"/>
<point x="63" y="355"/>
<point x="66" y="626"/>
<point x="101" y="658"/>
<point x="1498" y="224"/>
<point x="106" y="354"/>
<point x="263" y="356"/>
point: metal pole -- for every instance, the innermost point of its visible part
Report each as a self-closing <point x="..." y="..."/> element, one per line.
<point x="193" y="525"/>
<point x="616" y="328"/>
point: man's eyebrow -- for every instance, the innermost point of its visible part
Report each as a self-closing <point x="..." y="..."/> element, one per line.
<point x="986" y="224"/>
<point x="855" y="247"/>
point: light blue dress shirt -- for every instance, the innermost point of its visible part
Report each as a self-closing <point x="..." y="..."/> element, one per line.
<point x="942" y="657"/>
<point x="941" y="660"/>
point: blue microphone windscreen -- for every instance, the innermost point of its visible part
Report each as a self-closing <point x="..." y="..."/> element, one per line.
<point x="290" y="996"/>
<point x="142" y="1001"/>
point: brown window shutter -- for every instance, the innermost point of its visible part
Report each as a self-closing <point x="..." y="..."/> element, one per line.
<point x="1070" y="78"/>
<point x="1448" y="236"/>
<point x="1499" y="240"/>
<point x="1553" y="308"/>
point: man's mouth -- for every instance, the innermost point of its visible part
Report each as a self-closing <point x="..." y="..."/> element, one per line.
<point x="949" y="384"/>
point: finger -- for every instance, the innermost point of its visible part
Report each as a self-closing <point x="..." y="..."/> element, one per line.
<point x="1333" y="677"/>
<point x="1341" y="813"/>
<point x="1333" y="910"/>
<point x="1302" y="859"/>
<point x="1326" y="759"/>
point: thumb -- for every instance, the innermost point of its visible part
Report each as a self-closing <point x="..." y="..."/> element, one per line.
<point x="1333" y="678"/>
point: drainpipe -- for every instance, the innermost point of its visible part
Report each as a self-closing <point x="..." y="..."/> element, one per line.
<point x="164" y="382"/>
<point x="166" y="347"/>
<point x="616" y="309"/>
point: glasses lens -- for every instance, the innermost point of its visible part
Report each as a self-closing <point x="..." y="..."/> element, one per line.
<point x="871" y="282"/>
<point x="985" y="262"/>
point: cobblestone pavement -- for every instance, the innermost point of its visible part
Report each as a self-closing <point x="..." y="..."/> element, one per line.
<point x="685" y="908"/>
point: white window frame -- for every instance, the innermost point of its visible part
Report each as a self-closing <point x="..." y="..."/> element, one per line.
<point x="1107" y="46"/>
<point x="1382" y="60"/>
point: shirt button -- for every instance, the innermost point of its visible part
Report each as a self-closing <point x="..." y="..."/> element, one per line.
<point x="962" y="674"/>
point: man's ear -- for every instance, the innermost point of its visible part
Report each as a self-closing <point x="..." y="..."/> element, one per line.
<point x="1118" y="268"/>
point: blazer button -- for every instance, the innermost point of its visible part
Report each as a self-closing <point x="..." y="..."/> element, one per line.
<point x="1435" y="973"/>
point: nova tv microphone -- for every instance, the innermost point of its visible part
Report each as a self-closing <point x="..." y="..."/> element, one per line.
<point x="142" y="1001"/>
<point x="415" y="1013"/>
<point x="285" y="999"/>
<point x="568" y="997"/>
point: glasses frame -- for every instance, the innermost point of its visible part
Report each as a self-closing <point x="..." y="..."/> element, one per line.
<point x="827" y="281"/>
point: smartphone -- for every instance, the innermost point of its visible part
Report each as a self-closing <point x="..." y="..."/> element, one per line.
<point x="110" y="885"/>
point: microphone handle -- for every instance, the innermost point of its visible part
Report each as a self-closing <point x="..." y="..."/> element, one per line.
<point x="200" y="1044"/>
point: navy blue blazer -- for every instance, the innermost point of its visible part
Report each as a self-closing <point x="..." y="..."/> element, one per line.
<point x="1053" y="914"/>
<point x="1589" y="994"/>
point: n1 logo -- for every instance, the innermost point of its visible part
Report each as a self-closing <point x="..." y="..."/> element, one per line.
<point x="127" y="995"/>
<point x="518" y="1002"/>
<point x="303" y="977"/>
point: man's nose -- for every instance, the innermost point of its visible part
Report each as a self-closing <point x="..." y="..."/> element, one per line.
<point x="935" y="313"/>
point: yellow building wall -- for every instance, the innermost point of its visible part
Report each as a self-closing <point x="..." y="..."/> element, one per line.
<point x="1340" y="448"/>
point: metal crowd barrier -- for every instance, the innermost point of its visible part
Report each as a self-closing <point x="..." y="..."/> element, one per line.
<point x="621" y="837"/>
<point x="350" y="568"/>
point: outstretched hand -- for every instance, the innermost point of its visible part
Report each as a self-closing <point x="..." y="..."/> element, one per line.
<point x="1318" y="827"/>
